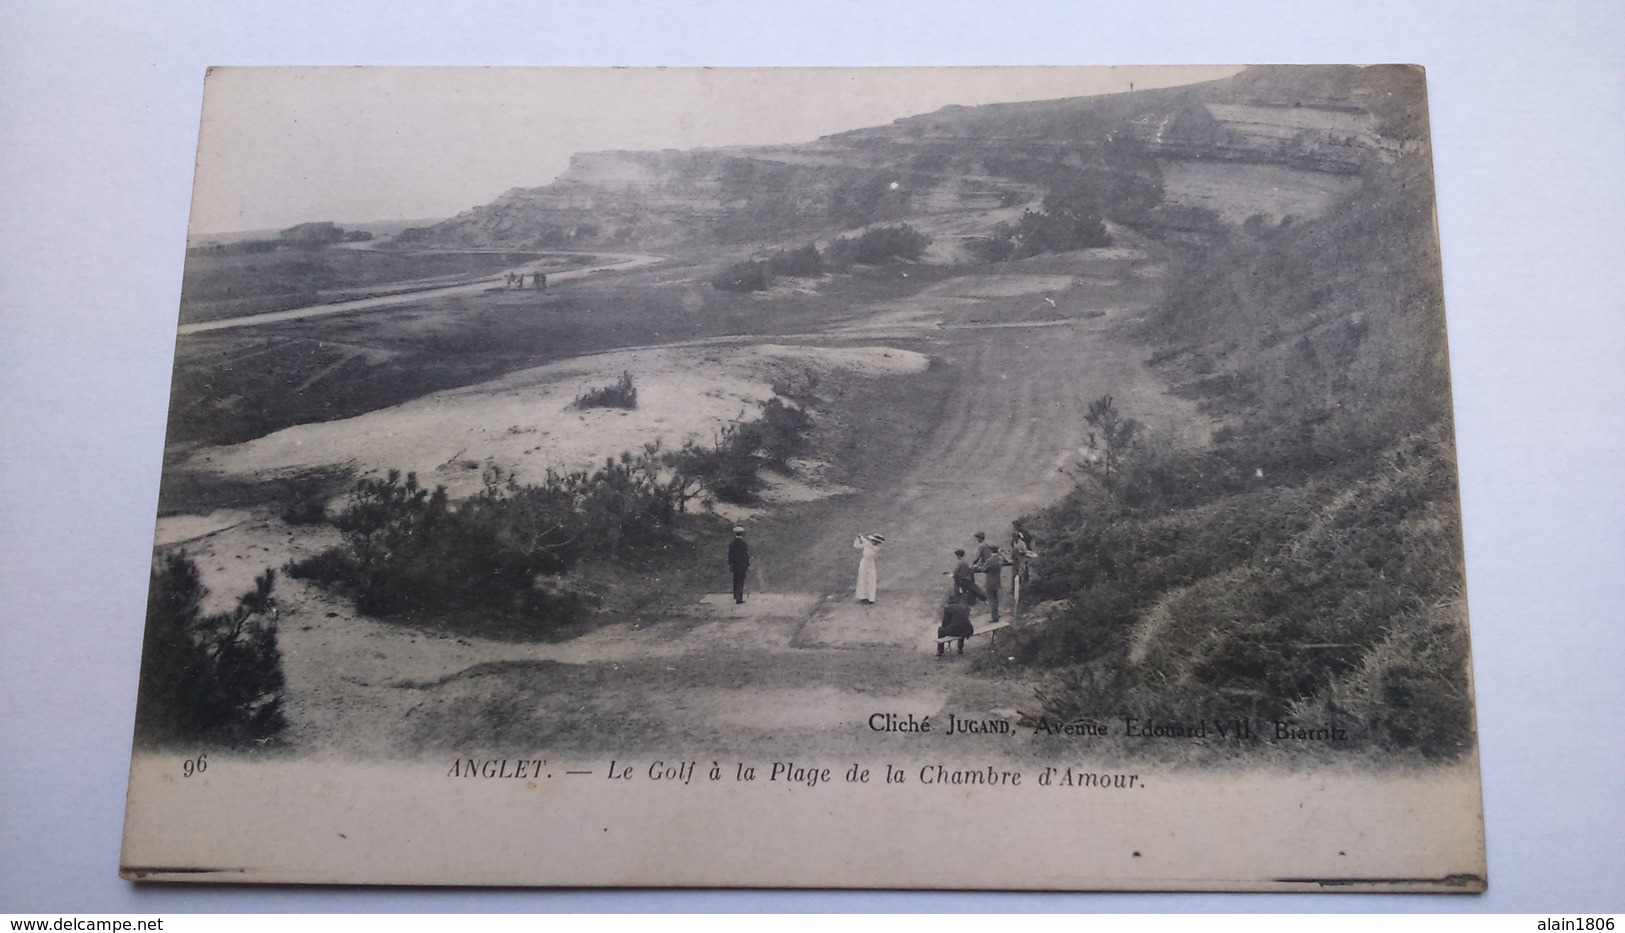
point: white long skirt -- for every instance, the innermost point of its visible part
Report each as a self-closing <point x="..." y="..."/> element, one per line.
<point x="868" y="581"/>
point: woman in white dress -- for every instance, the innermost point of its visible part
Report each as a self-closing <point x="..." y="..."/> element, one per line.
<point x="868" y="583"/>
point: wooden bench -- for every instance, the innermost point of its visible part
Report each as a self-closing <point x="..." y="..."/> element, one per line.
<point x="991" y="631"/>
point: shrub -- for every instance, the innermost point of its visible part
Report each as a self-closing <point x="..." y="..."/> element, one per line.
<point x="307" y="502"/>
<point x="998" y="247"/>
<point x="1410" y="691"/>
<point x="1303" y="593"/>
<point x="781" y="433"/>
<point x="623" y="394"/>
<point x="1114" y="437"/>
<point x="799" y="387"/>
<point x="798" y="263"/>
<point x="1308" y="564"/>
<point x="730" y="467"/>
<point x="321" y="233"/>
<point x="1057" y="231"/>
<point x="874" y="246"/>
<point x="213" y="676"/>
<point x="747" y="276"/>
<point x="411" y="552"/>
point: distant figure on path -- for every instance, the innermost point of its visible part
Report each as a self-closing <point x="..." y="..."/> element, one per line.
<point x="990" y="564"/>
<point x="541" y="281"/>
<point x="955" y="621"/>
<point x="868" y="581"/>
<point x="965" y="581"/>
<point x="739" y="562"/>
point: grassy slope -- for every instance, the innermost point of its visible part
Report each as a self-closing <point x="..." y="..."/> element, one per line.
<point x="1308" y="567"/>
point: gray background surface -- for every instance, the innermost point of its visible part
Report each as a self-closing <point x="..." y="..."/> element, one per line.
<point x="98" y="124"/>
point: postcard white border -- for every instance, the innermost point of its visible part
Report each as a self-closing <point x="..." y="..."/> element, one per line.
<point x="109" y="99"/>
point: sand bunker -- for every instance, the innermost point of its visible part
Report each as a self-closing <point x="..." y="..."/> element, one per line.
<point x="524" y="422"/>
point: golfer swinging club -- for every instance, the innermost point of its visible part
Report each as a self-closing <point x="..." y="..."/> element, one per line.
<point x="868" y="582"/>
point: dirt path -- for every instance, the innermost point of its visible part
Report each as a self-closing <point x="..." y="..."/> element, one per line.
<point x="622" y="262"/>
<point x="1013" y="418"/>
<point x="801" y="666"/>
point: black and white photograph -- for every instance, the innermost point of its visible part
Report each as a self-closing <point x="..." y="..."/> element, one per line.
<point x="1053" y="465"/>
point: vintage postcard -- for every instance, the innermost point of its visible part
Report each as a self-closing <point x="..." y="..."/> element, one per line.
<point x="997" y="478"/>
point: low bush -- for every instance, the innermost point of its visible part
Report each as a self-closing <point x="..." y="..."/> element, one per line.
<point x="211" y="676"/>
<point x="797" y="263"/>
<point x="1306" y="565"/>
<point x="1281" y="593"/>
<point x="875" y="246"/>
<point x="1058" y="230"/>
<point x="801" y="387"/>
<point x="997" y="247"/>
<point x="623" y="394"/>
<point x="410" y="552"/>
<point x="747" y="276"/>
<point x="730" y="469"/>
<point x="307" y="501"/>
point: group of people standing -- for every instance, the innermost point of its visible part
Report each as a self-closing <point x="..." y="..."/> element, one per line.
<point x="989" y="564"/>
<point x="517" y="280"/>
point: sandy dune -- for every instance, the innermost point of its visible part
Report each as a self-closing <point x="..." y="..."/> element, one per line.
<point x="524" y="422"/>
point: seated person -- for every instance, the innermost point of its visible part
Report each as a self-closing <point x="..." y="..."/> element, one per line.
<point x="955" y="621"/>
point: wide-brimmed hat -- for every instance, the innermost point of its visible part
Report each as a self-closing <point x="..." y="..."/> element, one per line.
<point x="878" y="539"/>
<point x="980" y="536"/>
<point x="739" y="529"/>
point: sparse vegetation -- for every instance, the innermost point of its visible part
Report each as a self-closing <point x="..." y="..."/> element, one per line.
<point x="997" y="247"/>
<point x="731" y="467"/>
<point x="803" y="263"/>
<point x="623" y="394"/>
<point x="307" y="501"/>
<point x="1058" y="231"/>
<point x="214" y="676"/>
<point x="748" y="276"/>
<point x="502" y="559"/>
<point x="874" y="246"/>
<point x="1307" y="566"/>
<point x="313" y="235"/>
<point x="1114" y="438"/>
<point x="499" y="558"/>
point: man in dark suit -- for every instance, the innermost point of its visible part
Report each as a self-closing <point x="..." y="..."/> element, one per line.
<point x="965" y="580"/>
<point x="989" y="563"/>
<point x="739" y="562"/>
<point x="955" y="621"/>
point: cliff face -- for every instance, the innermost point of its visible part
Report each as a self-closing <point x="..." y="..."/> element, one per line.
<point x="604" y="197"/>
<point x="962" y="170"/>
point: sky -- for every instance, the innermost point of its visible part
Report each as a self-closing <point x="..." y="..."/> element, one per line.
<point x="280" y="146"/>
